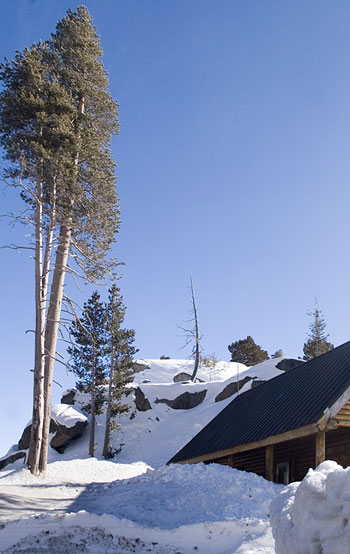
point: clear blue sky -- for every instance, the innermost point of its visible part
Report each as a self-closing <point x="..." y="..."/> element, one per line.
<point x="233" y="165"/>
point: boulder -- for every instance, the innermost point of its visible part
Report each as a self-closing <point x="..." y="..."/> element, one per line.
<point x="65" y="435"/>
<point x="257" y="382"/>
<point x="288" y="363"/>
<point x="24" y="441"/>
<point x="66" y="423"/>
<point x="142" y="403"/>
<point x="232" y="388"/>
<point x="181" y="377"/>
<point x="68" y="396"/>
<point x="140" y="366"/>
<point x="185" y="401"/>
<point x="11" y="458"/>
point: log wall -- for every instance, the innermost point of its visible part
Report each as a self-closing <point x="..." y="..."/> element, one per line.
<point x="300" y="453"/>
<point x="338" y="446"/>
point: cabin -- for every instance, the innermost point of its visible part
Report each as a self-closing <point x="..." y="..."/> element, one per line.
<point x="284" y="426"/>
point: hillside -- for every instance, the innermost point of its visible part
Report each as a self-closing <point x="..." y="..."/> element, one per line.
<point x="136" y="503"/>
<point x="155" y="435"/>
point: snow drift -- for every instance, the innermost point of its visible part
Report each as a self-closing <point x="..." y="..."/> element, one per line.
<point x="313" y="516"/>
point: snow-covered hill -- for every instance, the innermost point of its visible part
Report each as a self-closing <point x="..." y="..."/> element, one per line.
<point x="155" y="435"/>
<point x="136" y="503"/>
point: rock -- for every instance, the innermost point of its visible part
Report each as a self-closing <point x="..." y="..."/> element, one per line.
<point x="232" y="388"/>
<point x="185" y="401"/>
<point x="142" y="403"/>
<point x="24" y="441"/>
<point x="288" y="363"/>
<point x="140" y="366"/>
<point x="257" y="382"/>
<point x="182" y="377"/>
<point x="12" y="458"/>
<point x="67" y="424"/>
<point x="65" y="435"/>
<point x="68" y="397"/>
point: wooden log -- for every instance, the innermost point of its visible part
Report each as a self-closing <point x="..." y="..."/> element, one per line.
<point x="289" y="435"/>
<point x="320" y="447"/>
<point x="231" y="460"/>
<point x="269" y="465"/>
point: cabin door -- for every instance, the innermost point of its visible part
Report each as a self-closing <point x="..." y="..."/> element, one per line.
<point x="282" y="473"/>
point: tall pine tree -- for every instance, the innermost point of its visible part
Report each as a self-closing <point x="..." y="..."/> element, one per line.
<point x="88" y="358"/>
<point x="317" y="342"/>
<point x="119" y="353"/>
<point x="56" y="122"/>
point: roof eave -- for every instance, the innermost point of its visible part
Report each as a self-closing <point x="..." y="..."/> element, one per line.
<point x="275" y="439"/>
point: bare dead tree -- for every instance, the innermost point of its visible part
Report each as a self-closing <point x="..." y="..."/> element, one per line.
<point x="192" y="335"/>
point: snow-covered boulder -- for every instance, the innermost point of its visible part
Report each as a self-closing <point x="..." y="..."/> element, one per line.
<point x="182" y="377"/>
<point x="314" y="515"/>
<point x="66" y="423"/>
<point x="142" y="403"/>
<point x="69" y="425"/>
<point x="289" y="363"/>
<point x="139" y="366"/>
<point x="68" y="396"/>
<point x="11" y="458"/>
<point x="232" y="388"/>
<point x="185" y="401"/>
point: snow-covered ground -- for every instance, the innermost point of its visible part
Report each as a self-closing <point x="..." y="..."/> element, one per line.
<point x="136" y="503"/>
<point x="98" y="506"/>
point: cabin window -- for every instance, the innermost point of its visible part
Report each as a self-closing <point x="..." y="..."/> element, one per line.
<point x="282" y="473"/>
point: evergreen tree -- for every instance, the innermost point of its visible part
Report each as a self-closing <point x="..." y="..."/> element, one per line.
<point x="246" y="351"/>
<point x="317" y="342"/>
<point x="56" y="122"/>
<point x="277" y="354"/>
<point x="88" y="358"/>
<point x="119" y="353"/>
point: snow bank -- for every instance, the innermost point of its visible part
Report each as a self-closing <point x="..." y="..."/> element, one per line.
<point x="313" y="516"/>
<point x="209" y="509"/>
<point x="74" y="471"/>
<point x="182" y="494"/>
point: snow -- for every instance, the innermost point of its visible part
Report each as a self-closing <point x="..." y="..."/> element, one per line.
<point x="135" y="503"/>
<point x="212" y="509"/>
<point x="65" y="415"/>
<point x="313" y="516"/>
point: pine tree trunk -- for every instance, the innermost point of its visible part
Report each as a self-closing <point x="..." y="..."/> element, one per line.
<point x="38" y="387"/>
<point x="92" y="412"/>
<point x="51" y="334"/>
<point x="107" y="440"/>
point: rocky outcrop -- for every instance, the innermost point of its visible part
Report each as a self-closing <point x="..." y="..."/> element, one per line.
<point x="11" y="458"/>
<point x="257" y="382"/>
<point x="182" y="377"/>
<point x="142" y="403"/>
<point x="288" y="363"/>
<point x="232" y="388"/>
<point x="24" y="441"/>
<point x="185" y="401"/>
<point x="69" y="397"/>
<point x="140" y="366"/>
<point x="64" y="433"/>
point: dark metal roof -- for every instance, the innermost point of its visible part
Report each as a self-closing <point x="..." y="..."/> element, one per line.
<point x="293" y="399"/>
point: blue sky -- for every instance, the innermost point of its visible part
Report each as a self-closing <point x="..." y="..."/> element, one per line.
<point x="233" y="165"/>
